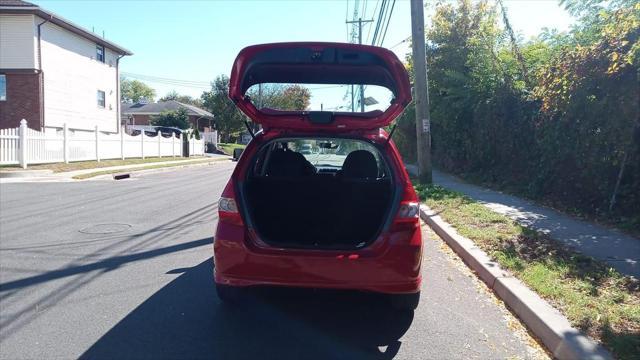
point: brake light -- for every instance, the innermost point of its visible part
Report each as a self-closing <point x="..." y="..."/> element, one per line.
<point x="408" y="215"/>
<point x="227" y="206"/>
<point x="408" y="211"/>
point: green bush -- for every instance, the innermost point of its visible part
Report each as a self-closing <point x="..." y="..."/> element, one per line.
<point x="557" y="123"/>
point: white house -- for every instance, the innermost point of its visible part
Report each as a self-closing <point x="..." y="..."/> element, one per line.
<point x="54" y="72"/>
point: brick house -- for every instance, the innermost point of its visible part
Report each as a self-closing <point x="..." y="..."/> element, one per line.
<point x="53" y="72"/>
<point x="140" y="113"/>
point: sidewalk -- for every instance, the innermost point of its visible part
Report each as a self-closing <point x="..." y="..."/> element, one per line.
<point x="68" y="175"/>
<point x="619" y="250"/>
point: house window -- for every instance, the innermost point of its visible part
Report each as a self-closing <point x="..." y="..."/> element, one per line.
<point x="100" y="53"/>
<point x="101" y="99"/>
<point x="3" y="87"/>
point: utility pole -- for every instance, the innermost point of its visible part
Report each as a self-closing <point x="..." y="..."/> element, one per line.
<point x="421" y="92"/>
<point x="359" y="21"/>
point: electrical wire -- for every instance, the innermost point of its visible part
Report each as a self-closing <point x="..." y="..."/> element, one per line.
<point x="388" y="22"/>
<point x="169" y="81"/>
<point x="379" y="21"/>
<point x="401" y="42"/>
<point x="370" y="27"/>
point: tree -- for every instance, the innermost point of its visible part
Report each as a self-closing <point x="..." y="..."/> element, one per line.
<point x="295" y="97"/>
<point x="281" y="97"/>
<point x="172" y="118"/>
<point x="569" y="135"/>
<point x="134" y="91"/>
<point x="185" y="99"/>
<point x="228" y="119"/>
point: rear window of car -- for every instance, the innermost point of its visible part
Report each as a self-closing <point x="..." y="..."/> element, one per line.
<point x="327" y="155"/>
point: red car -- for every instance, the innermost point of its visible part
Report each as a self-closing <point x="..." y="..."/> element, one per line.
<point x="342" y="214"/>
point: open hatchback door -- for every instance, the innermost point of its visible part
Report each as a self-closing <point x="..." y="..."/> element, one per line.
<point x="325" y="64"/>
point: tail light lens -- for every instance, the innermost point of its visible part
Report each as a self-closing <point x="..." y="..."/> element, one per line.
<point x="408" y="210"/>
<point x="408" y="215"/>
<point x="227" y="205"/>
<point x="228" y="208"/>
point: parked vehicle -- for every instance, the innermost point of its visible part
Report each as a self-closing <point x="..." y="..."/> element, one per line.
<point x="329" y="220"/>
<point x="305" y="149"/>
<point x="152" y="131"/>
<point x="168" y="132"/>
<point x="136" y="132"/>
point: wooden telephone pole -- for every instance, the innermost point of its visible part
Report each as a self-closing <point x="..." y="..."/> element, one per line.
<point x="421" y="92"/>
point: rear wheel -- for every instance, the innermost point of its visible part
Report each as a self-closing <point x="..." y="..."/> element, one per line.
<point x="405" y="301"/>
<point x="229" y="294"/>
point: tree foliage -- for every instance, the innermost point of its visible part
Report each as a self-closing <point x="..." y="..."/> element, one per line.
<point x="172" y="118"/>
<point x="281" y="97"/>
<point x="185" y="99"/>
<point x="135" y="90"/>
<point x="567" y="134"/>
<point x="228" y="119"/>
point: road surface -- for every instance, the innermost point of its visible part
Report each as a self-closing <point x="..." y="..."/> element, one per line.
<point x="122" y="270"/>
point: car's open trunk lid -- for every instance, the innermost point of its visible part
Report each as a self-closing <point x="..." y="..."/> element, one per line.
<point x="319" y="63"/>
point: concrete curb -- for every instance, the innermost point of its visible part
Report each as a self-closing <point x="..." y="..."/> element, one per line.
<point x="547" y="323"/>
<point x="138" y="169"/>
<point x="25" y="173"/>
<point x="141" y="171"/>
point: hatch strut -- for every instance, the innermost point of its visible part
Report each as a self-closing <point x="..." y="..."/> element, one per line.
<point x="246" y="123"/>
<point x="393" y="129"/>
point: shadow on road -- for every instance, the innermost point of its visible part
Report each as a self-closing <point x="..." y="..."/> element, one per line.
<point x="186" y="320"/>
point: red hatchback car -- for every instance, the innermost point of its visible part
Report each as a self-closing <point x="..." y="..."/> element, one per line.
<point x="320" y="199"/>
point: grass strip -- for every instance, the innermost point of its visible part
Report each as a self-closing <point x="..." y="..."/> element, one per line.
<point x="83" y="165"/>
<point x="595" y="298"/>
<point x="159" y="166"/>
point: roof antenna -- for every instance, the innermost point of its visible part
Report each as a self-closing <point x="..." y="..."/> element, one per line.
<point x="393" y="129"/>
<point x="246" y="123"/>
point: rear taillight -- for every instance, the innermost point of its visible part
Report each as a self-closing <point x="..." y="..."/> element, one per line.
<point x="408" y="210"/>
<point x="227" y="206"/>
<point x="408" y="214"/>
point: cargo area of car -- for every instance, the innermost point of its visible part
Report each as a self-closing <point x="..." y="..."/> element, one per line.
<point x="297" y="203"/>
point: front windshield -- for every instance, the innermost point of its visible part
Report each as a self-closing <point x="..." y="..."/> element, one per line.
<point x="329" y="152"/>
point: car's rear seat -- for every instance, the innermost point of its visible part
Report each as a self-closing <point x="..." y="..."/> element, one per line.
<point x="292" y="202"/>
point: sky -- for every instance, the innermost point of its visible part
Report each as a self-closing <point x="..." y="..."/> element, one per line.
<point x="196" y="41"/>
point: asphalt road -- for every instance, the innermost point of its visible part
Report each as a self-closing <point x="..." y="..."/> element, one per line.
<point x="123" y="269"/>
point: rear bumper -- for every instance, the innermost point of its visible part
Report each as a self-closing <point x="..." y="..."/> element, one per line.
<point x="393" y="268"/>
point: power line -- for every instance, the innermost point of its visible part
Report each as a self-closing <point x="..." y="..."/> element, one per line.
<point x="379" y="21"/>
<point x="388" y="22"/>
<point x="401" y="42"/>
<point x="374" y="11"/>
<point x="364" y="8"/>
<point x="169" y="81"/>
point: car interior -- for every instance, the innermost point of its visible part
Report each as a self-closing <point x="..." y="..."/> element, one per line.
<point x="334" y="197"/>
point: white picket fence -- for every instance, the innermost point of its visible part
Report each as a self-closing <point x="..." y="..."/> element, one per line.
<point x="24" y="146"/>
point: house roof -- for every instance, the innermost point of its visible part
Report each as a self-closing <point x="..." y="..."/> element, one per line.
<point x="23" y="7"/>
<point x="157" y="108"/>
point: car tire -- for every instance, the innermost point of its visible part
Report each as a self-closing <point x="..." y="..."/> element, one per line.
<point x="229" y="294"/>
<point x="405" y="301"/>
